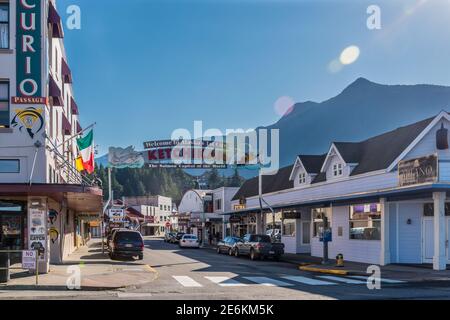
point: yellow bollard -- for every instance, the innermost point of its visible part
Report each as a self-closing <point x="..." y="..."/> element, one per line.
<point x="340" y="260"/>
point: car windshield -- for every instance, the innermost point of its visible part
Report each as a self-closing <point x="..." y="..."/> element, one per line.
<point x="260" y="238"/>
<point x="190" y="237"/>
<point x="128" y="236"/>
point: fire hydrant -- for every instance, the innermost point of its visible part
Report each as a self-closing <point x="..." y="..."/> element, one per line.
<point x="340" y="260"/>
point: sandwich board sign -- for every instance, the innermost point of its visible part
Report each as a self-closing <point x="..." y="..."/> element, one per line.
<point x="29" y="260"/>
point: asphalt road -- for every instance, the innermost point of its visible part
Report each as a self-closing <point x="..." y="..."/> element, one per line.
<point x="202" y="274"/>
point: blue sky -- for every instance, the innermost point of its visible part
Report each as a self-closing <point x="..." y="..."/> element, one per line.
<point x="143" y="68"/>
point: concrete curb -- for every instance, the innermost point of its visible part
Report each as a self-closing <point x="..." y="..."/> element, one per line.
<point x="339" y="272"/>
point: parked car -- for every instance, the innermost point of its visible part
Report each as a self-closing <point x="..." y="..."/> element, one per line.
<point x="178" y="237"/>
<point x="259" y="246"/>
<point x="189" y="241"/>
<point x="168" y="236"/>
<point x="110" y="236"/>
<point x="227" y="245"/>
<point x="127" y="243"/>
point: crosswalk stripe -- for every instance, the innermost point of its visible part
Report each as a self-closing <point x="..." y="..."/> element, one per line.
<point x="309" y="281"/>
<point x="381" y="279"/>
<point x="268" y="282"/>
<point x="187" y="281"/>
<point x="344" y="280"/>
<point x="226" y="282"/>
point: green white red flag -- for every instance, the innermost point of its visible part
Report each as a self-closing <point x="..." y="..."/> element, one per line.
<point x="86" y="149"/>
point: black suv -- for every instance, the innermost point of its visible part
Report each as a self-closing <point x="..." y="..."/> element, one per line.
<point x="126" y="243"/>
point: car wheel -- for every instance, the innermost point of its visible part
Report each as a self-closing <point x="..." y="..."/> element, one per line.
<point x="230" y="252"/>
<point x="141" y="257"/>
<point x="276" y="258"/>
<point x="253" y="255"/>
<point x="236" y="253"/>
<point x="218" y="250"/>
<point x="112" y="256"/>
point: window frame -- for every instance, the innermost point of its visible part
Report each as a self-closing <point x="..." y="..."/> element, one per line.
<point x="8" y="23"/>
<point x="338" y="170"/>
<point x="302" y="178"/>
<point x="290" y="222"/>
<point x="317" y="221"/>
<point x="369" y="219"/>
<point x="7" y="100"/>
<point x="10" y="172"/>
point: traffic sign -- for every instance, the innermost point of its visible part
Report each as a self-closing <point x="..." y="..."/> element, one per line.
<point x="29" y="260"/>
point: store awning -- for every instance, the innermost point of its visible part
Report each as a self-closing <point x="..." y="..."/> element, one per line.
<point x="79" y="198"/>
<point x="55" y="20"/>
<point x="65" y="72"/>
<point x="391" y="194"/>
<point x="54" y="92"/>
<point x="74" y="107"/>
<point x="66" y="126"/>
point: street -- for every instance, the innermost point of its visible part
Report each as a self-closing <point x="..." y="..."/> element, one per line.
<point x="202" y="274"/>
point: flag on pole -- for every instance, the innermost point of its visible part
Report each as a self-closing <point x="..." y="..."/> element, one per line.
<point x="86" y="148"/>
<point x="79" y="164"/>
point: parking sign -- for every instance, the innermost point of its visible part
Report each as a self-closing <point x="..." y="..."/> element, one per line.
<point x="29" y="260"/>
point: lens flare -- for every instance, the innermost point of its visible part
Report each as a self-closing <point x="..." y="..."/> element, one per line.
<point x="284" y="105"/>
<point x="349" y="55"/>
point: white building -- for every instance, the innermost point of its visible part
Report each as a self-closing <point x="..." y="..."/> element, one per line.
<point x="38" y="114"/>
<point x="205" y="208"/>
<point x="385" y="198"/>
<point x="157" y="210"/>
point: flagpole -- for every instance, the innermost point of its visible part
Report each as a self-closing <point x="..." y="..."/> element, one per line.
<point x="76" y="135"/>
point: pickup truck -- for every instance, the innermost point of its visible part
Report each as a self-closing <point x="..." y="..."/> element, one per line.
<point x="258" y="246"/>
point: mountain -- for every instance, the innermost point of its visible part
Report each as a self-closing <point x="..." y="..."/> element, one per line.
<point x="361" y="110"/>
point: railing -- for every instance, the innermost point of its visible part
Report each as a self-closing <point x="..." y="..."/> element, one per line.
<point x="21" y="251"/>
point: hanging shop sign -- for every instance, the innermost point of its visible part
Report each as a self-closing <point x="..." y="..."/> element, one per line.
<point x="235" y="219"/>
<point x="291" y="215"/>
<point x="38" y="231"/>
<point x="28" y="53"/>
<point x="418" y="171"/>
<point x="116" y="215"/>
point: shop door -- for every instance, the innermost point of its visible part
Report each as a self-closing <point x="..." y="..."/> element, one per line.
<point x="428" y="240"/>
<point x="306" y="233"/>
<point x="11" y="234"/>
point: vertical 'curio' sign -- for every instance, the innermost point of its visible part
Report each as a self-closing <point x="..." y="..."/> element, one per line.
<point x="28" y="52"/>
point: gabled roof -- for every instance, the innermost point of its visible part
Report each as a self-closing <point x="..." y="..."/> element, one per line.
<point x="381" y="151"/>
<point x="274" y="183"/>
<point x="312" y="163"/>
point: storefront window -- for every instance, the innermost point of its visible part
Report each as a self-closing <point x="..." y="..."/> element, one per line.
<point x="289" y="227"/>
<point x="318" y="217"/>
<point x="428" y="209"/>
<point x="365" y="222"/>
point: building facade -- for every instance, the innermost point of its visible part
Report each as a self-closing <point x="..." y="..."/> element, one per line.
<point x="201" y="212"/>
<point x="379" y="201"/>
<point x="45" y="203"/>
<point x="157" y="212"/>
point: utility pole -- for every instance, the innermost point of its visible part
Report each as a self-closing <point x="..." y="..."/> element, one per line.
<point x="106" y="208"/>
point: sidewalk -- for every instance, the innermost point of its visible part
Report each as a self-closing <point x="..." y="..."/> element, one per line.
<point x="98" y="272"/>
<point x="403" y="272"/>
